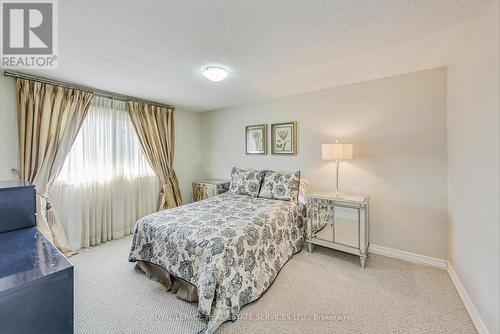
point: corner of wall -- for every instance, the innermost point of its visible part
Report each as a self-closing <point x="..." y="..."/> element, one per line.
<point x="473" y="128"/>
<point x="187" y="160"/>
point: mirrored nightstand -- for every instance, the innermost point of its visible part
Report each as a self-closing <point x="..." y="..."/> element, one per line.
<point x="340" y="223"/>
<point x="208" y="188"/>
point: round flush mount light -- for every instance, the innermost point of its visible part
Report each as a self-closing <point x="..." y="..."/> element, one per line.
<point x="215" y="73"/>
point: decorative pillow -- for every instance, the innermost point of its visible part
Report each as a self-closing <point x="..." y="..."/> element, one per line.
<point x="280" y="186"/>
<point x="246" y="182"/>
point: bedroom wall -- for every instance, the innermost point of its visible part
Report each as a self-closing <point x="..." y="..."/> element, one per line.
<point x="398" y="127"/>
<point x="473" y="164"/>
<point x="187" y="144"/>
<point x="9" y="150"/>
<point x="187" y="160"/>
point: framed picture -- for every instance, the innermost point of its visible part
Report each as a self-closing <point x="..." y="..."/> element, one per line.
<point x="256" y="139"/>
<point x="284" y="138"/>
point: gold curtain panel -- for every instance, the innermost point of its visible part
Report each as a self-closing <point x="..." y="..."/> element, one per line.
<point x="155" y="128"/>
<point x="49" y="119"/>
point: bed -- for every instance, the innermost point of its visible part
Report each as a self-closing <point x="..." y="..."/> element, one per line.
<point x="230" y="248"/>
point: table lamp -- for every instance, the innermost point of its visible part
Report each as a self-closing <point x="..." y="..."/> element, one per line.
<point x="337" y="152"/>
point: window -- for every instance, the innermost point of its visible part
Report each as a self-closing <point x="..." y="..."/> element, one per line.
<point x="106" y="183"/>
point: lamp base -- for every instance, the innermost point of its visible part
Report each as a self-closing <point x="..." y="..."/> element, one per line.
<point x="337" y="194"/>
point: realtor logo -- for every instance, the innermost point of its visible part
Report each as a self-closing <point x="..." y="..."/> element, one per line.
<point x="29" y="34"/>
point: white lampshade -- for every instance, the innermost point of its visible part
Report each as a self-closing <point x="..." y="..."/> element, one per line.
<point x="336" y="151"/>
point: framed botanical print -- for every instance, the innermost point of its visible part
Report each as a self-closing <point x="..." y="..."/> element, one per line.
<point x="256" y="139"/>
<point x="284" y="138"/>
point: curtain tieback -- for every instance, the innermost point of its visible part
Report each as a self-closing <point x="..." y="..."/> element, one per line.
<point x="164" y="186"/>
<point x="48" y="201"/>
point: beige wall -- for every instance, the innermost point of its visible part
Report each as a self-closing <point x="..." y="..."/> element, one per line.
<point x="398" y="127"/>
<point x="9" y="149"/>
<point x="187" y="148"/>
<point x="187" y="160"/>
<point x="473" y="163"/>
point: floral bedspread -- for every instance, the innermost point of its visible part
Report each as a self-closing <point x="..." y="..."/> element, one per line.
<point x="231" y="247"/>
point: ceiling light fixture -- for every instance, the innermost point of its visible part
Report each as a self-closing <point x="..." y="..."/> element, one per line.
<point x="215" y="73"/>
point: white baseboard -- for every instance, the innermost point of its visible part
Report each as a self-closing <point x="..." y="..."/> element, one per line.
<point x="442" y="264"/>
<point x="473" y="313"/>
<point x="407" y="256"/>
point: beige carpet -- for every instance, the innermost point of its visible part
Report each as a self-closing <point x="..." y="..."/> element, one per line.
<point x="322" y="292"/>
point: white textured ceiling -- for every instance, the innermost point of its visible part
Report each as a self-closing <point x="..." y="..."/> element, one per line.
<point x="155" y="49"/>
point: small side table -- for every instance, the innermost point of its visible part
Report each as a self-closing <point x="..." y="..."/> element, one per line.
<point x="209" y="188"/>
<point x="339" y="223"/>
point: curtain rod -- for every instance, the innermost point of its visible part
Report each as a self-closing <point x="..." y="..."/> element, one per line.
<point x="95" y="91"/>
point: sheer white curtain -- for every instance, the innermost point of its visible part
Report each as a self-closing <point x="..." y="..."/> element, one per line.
<point x="106" y="183"/>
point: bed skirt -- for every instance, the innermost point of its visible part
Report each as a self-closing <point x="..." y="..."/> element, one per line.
<point x="184" y="290"/>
